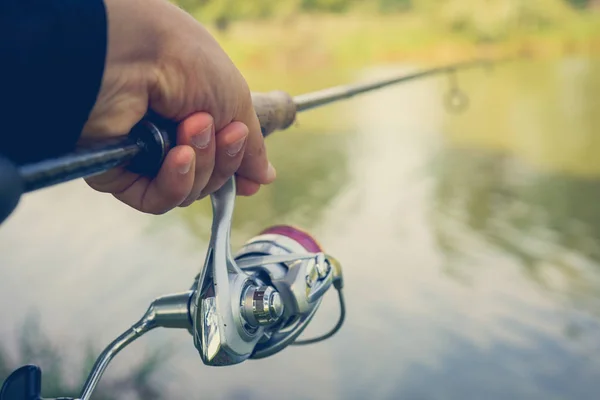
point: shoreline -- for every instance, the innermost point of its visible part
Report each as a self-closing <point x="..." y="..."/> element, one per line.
<point x="351" y="42"/>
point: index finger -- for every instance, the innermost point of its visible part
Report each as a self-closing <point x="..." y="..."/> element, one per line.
<point x="255" y="165"/>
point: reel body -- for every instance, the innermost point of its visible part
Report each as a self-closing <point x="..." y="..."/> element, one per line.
<point x="248" y="306"/>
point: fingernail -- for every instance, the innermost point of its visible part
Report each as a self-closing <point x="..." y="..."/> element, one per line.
<point x="235" y="147"/>
<point x="201" y="140"/>
<point x="271" y="173"/>
<point x="185" y="168"/>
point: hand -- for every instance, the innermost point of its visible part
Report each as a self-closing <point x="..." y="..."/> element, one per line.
<point x="160" y="57"/>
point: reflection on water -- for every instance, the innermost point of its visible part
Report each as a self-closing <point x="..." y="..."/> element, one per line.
<point x="471" y="247"/>
<point x="549" y="223"/>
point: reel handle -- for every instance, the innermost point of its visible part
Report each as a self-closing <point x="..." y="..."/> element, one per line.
<point x="275" y="110"/>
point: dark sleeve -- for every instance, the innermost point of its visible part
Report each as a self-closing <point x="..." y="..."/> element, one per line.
<point x="52" y="55"/>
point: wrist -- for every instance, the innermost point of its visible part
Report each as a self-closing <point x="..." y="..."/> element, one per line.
<point x="134" y="30"/>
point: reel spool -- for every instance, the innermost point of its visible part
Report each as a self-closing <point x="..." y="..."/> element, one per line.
<point x="250" y="306"/>
<point x="300" y="283"/>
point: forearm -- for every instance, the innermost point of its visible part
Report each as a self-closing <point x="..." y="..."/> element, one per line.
<point x="52" y="55"/>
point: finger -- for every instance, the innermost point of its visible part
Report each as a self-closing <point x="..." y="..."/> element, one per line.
<point x="231" y="142"/>
<point x="246" y="187"/>
<point x="255" y="166"/>
<point x="172" y="184"/>
<point x="198" y="132"/>
<point x="113" y="181"/>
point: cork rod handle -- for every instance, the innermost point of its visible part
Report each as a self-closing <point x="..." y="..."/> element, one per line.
<point x="275" y="110"/>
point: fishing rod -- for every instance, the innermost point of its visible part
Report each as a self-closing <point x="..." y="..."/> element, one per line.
<point x="246" y="305"/>
<point x="147" y="144"/>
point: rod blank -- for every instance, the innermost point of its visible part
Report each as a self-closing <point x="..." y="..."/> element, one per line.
<point x="276" y="110"/>
<point x="323" y="97"/>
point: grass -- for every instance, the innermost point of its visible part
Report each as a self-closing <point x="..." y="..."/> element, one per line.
<point x="35" y="347"/>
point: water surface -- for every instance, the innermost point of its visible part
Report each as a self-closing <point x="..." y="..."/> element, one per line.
<point x="470" y="242"/>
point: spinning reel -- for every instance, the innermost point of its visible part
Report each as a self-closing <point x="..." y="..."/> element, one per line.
<point x="250" y="306"/>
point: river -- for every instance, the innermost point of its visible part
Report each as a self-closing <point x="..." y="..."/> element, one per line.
<point x="470" y="244"/>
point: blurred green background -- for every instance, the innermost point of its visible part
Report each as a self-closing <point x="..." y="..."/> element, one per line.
<point x="470" y="242"/>
<point x="305" y="45"/>
<point x="308" y="34"/>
